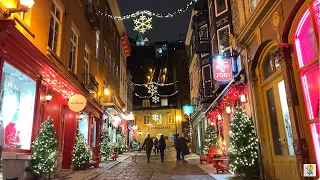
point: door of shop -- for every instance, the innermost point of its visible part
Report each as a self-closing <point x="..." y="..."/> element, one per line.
<point x="279" y="129"/>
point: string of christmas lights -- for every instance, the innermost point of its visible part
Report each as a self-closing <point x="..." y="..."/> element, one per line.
<point x="159" y="95"/>
<point x="155" y="83"/>
<point x="149" y="13"/>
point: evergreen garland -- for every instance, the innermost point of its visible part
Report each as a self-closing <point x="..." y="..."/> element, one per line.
<point x="210" y="139"/>
<point x="243" y="148"/>
<point x="106" y="146"/>
<point x="44" y="150"/>
<point x="82" y="153"/>
<point x="122" y="148"/>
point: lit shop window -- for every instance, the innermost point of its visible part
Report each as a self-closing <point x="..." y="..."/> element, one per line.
<point x="83" y="126"/>
<point x="17" y="99"/>
<point x="308" y="63"/>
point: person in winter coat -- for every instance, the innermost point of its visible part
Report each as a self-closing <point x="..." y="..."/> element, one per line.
<point x="148" y="145"/>
<point x="155" y="145"/>
<point x="182" y="146"/>
<point x="162" y="147"/>
<point x="175" y="140"/>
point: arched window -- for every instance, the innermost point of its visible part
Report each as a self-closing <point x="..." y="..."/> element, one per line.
<point x="306" y="40"/>
<point x="270" y="63"/>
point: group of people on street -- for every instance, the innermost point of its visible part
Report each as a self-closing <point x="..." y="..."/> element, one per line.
<point x="180" y="144"/>
<point x="159" y="145"/>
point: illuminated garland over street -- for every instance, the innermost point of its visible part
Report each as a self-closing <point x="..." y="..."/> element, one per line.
<point x="155" y="83"/>
<point x="149" y="13"/>
<point x="145" y="97"/>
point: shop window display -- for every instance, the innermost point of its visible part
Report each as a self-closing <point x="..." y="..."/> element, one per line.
<point x="83" y="126"/>
<point x="17" y="98"/>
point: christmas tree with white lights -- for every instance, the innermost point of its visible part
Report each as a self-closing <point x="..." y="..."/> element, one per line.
<point x="122" y="144"/>
<point x="44" y="150"/>
<point x="210" y="138"/>
<point x="82" y="153"/>
<point x="243" y="151"/>
<point x="106" y="146"/>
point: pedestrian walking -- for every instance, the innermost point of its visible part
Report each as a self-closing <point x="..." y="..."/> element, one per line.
<point x="182" y="146"/>
<point x="178" y="151"/>
<point x="155" y="145"/>
<point x="148" y="146"/>
<point x="162" y="147"/>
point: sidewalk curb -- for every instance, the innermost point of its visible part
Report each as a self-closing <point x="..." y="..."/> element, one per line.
<point x="117" y="162"/>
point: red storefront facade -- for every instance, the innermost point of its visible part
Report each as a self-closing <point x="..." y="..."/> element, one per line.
<point x="27" y="75"/>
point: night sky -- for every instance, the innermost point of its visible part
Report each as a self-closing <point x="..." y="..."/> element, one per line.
<point x="165" y="29"/>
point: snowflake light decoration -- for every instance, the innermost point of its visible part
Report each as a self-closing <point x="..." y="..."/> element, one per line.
<point x="155" y="99"/>
<point x="142" y="24"/>
<point x="155" y="117"/>
<point x="152" y="89"/>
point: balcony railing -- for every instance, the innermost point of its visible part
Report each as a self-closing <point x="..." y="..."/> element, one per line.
<point x="90" y="83"/>
<point x="92" y="16"/>
<point x="201" y="41"/>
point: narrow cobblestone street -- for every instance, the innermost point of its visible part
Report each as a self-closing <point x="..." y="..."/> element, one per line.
<point x="155" y="170"/>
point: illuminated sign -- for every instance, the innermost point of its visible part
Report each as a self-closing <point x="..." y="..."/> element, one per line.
<point x="222" y="69"/>
<point x="187" y="110"/>
<point x="77" y="103"/>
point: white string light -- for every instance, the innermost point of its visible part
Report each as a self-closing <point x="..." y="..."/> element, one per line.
<point x="149" y="13"/>
<point x="145" y="97"/>
<point x="155" y="83"/>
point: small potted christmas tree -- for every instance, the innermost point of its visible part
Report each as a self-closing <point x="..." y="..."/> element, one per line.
<point x="82" y="153"/>
<point x="44" y="150"/>
<point x="106" y="147"/>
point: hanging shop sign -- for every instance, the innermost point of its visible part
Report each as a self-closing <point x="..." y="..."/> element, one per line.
<point x="77" y="103"/>
<point x="222" y="69"/>
<point x="187" y="110"/>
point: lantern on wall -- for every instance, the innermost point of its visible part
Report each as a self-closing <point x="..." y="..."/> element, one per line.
<point x="228" y="109"/>
<point x="243" y="98"/>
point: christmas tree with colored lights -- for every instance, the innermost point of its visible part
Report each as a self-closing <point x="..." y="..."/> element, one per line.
<point x="210" y="139"/>
<point x="243" y="151"/>
<point x="44" y="150"/>
<point x="106" y="146"/>
<point x="122" y="144"/>
<point x="82" y="153"/>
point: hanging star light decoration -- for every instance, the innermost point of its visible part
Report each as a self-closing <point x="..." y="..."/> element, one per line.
<point x="152" y="89"/>
<point x="155" y="99"/>
<point x="142" y="24"/>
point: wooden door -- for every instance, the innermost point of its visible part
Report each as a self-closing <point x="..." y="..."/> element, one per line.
<point x="280" y="130"/>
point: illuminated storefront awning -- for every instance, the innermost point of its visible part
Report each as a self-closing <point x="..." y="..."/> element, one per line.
<point x="222" y="90"/>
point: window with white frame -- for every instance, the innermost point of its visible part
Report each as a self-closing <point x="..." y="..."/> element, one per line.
<point x="86" y="64"/>
<point x="221" y="6"/>
<point x="105" y="52"/>
<point x="73" y="50"/>
<point x="223" y="39"/>
<point x="164" y="102"/>
<point x="55" y="26"/>
<point x="97" y="44"/>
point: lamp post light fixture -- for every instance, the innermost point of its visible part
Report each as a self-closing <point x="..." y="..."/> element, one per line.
<point x="26" y="5"/>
